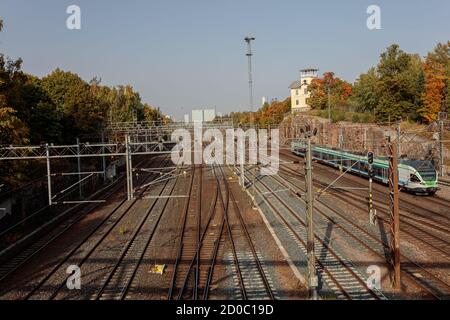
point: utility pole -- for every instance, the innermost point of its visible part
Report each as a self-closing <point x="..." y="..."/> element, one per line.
<point x="372" y="212"/>
<point x="399" y="149"/>
<point x="441" y="148"/>
<point x="49" y="177"/>
<point x="329" y="101"/>
<point x="128" y="166"/>
<point x="312" y="275"/>
<point x="395" y="215"/>
<point x="341" y="147"/>
<point x="80" y="188"/>
<point x="130" y="162"/>
<point x="103" y="158"/>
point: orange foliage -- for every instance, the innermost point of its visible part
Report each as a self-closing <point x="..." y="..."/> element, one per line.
<point x="433" y="96"/>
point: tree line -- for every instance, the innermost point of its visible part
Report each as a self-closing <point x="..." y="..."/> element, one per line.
<point x="401" y="86"/>
<point x="270" y="114"/>
<point x="61" y="106"/>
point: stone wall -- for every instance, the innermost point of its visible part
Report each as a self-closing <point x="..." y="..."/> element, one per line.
<point x="347" y="136"/>
<point x="360" y="137"/>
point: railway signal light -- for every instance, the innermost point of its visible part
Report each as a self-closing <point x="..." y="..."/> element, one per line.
<point x="371" y="173"/>
<point x="370" y="157"/>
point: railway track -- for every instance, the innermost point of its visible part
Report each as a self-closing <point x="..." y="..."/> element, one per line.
<point x="253" y="285"/>
<point x="444" y="183"/>
<point x="431" y="232"/>
<point x="119" y="280"/>
<point x="337" y="272"/>
<point x="33" y="249"/>
<point x="428" y="212"/>
<point x="198" y="251"/>
<point x="416" y="231"/>
<point x="419" y="274"/>
<point x="111" y="219"/>
<point x="178" y="271"/>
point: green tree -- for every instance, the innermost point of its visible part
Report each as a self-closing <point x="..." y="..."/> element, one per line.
<point x="365" y="96"/>
<point x="81" y="110"/>
<point x="400" y="84"/>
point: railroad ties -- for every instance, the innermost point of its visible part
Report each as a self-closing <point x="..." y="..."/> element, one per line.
<point x="212" y="247"/>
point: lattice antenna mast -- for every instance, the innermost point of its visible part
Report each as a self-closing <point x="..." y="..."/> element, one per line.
<point x="250" y="77"/>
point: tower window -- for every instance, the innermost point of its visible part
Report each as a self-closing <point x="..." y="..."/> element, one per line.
<point x="296" y="102"/>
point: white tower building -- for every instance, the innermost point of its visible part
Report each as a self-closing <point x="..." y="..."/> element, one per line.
<point x="299" y="92"/>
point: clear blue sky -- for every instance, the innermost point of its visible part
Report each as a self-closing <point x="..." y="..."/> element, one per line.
<point x="185" y="54"/>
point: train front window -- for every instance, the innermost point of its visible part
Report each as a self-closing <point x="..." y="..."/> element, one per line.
<point x="414" y="178"/>
<point x="428" y="175"/>
<point x="425" y="170"/>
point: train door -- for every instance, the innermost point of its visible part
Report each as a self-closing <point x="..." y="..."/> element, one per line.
<point x="403" y="176"/>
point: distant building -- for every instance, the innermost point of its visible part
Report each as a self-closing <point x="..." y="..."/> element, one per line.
<point x="203" y="115"/>
<point x="186" y="118"/>
<point x="264" y="101"/>
<point x="299" y="91"/>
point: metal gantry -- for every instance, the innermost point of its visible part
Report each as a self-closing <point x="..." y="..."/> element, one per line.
<point x="78" y="151"/>
<point x="441" y="148"/>
<point x="137" y="139"/>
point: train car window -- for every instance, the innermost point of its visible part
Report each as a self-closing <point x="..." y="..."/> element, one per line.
<point x="379" y="172"/>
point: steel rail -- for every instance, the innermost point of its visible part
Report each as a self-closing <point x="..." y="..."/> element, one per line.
<point x="404" y="222"/>
<point x="132" y="240"/>
<point x="437" y="224"/>
<point x="210" y="273"/>
<point x="54" y="269"/>
<point x="199" y="246"/>
<point x="180" y="241"/>
<point x="385" y="245"/>
<point x="102" y="238"/>
<point x="249" y="239"/>
<point x="403" y="202"/>
<point x="323" y="243"/>
<point x="416" y="223"/>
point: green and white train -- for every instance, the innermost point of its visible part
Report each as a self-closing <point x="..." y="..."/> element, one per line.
<point x="415" y="176"/>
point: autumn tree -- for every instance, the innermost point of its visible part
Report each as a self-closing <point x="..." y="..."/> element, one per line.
<point x="437" y="82"/>
<point x="339" y="91"/>
<point x="153" y="114"/>
<point x="273" y="113"/>
<point x="12" y="129"/>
